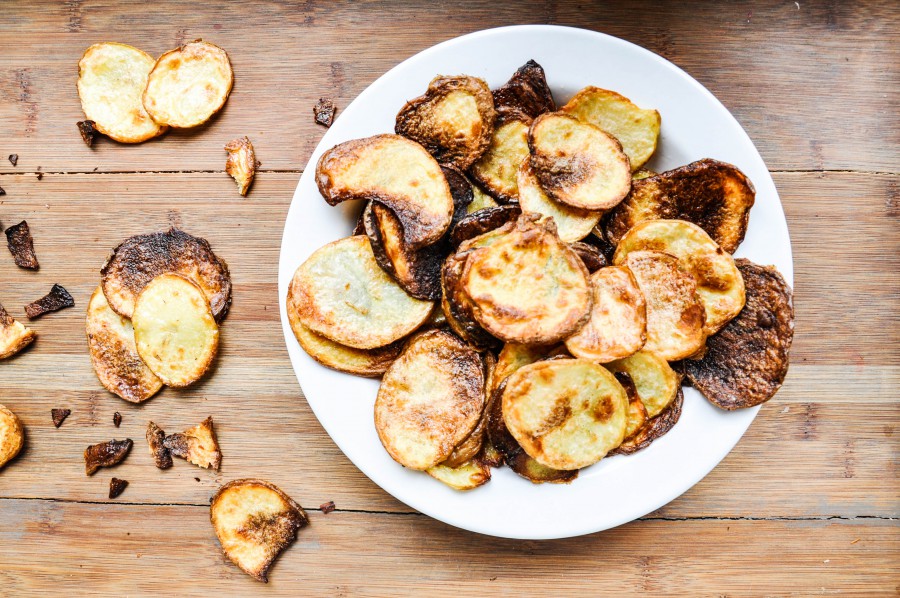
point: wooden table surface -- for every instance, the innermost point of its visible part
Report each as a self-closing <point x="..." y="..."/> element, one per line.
<point x="805" y="504"/>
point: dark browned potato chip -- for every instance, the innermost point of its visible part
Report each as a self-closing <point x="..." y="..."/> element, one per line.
<point x="747" y="360"/>
<point x="527" y="91"/>
<point x="461" y="190"/>
<point x="87" y="130"/>
<point x="117" y="419"/>
<point x="592" y="257"/>
<point x="155" y="439"/>
<point x="482" y="221"/>
<point x="656" y="427"/>
<point x="454" y="120"/>
<point x="59" y="416"/>
<point x="117" y="487"/>
<point x="197" y="445"/>
<point x="714" y="195"/>
<point x="58" y="298"/>
<point x="105" y="454"/>
<point x="2" y="191"/>
<point x="21" y="246"/>
<point x="324" y="111"/>
<point x="458" y="308"/>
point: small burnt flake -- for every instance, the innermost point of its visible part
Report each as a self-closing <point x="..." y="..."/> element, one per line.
<point x="2" y="191"/>
<point x="86" y="128"/>
<point x="21" y="246"/>
<point x="58" y="298"/>
<point x="117" y="487"/>
<point x="161" y="455"/>
<point x="14" y="159"/>
<point x="105" y="454"/>
<point x="324" y="111"/>
<point x="117" y="418"/>
<point x="327" y="507"/>
<point x="59" y="416"/>
<point x="39" y="174"/>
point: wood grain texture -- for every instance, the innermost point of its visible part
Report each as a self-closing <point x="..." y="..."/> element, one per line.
<point x="805" y="504"/>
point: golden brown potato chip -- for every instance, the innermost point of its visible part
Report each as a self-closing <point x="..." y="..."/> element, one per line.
<point x="397" y="172"/>
<point x="174" y="330"/>
<point x="188" y="85"/>
<point x="467" y="476"/>
<point x="430" y="400"/>
<point x="254" y="522"/>
<point x="637" y="412"/>
<point x="198" y="445"/>
<point x="114" y="354"/>
<point x="111" y="80"/>
<point x="577" y="163"/>
<point x="141" y="258"/>
<point x="719" y="282"/>
<point x="528" y="287"/>
<point x="714" y="195"/>
<point x="14" y="336"/>
<point x="618" y="324"/>
<point x="241" y="163"/>
<point x="675" y="315"/>
<point x="12" y="436"/>
<point x="636" y="129"/>
<point x="572" y="224"/>
<point x="454" y="120"/>
<point x="566" y="413"/>
<point x="655" y="382"/>
<point x="341" y="293"/>
<point x="497" y="168"/>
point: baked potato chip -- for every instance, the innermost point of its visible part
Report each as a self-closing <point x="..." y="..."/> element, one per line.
<point x="470" y="447"/>
<point x="714" y="195"/>
<point x="514" y="356"/>
<point x="577" y="164"/>
<point x="618" y="324"/>
<point x="654" y="428"/>
<point x="188" y="85"/>
<point x="458" y="308"/>
<point x="174" y="330"/>
<point x="655" y="382"/>
<point x="370" y="363"/>
<point x="430" y="399"/>
<point x="719" y="283"/>
<point x="141" y="258"/>
<point x="527" y="91"/>
<point x="572" y="224"/>
<point x="746" y="362"/>
<point x="341" y="293"/>
<point x="675" y="314"/>
<point x="484" y="221"/>
<point x="454" y="120"/>
<point x="14" y="336"/>
<point x="111" y="80"/>
<point x="198" y="445"/>
<point x="466" y="476"/>
<point x="637" y="413"/>
<point x="241" y="163"/>
<point x="400" y="174"/>
<point x="480" y="200"/>
<point x="637" y="129"/>
<point x="114" y="354"/>
<point x="496" y="170"/>
<point x="528" y="287"/>
<point x="254" y="522"/>
<point x="12" y="436"/>
<point x="566" y="413"/>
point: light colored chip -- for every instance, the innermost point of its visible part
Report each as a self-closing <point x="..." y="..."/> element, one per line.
<point x="111" y="79"/>
<point x="654" y="379"/>
<point x="497" y="169"/>
<point x="361" y="362"/>
<point x="480" y="200"/>
<point x="514" y="356"/>
<point x="241" y="163"/>
<point x="400" y="173"/>
<point x="341" y="293"/>
<point x="14" y="336"/>
<point x="675" y="315"/>
<point x="430" y="400"/>
<point x="12" y="436"/>
<point x="637" y="129"/>
<point x="467" y="476"/>
<point x="577" y="163"/>
<point x="254" y="521"/>
<point x="188" y="85"/>
<point x="174" y="330"/>
<point x="618" y="324"/>
<point x="114" y="354"/>
<point x="528" y="287"/>
<point x="719" y="282"/>
<point x="198" y="445"/>
<point x="566" y="413"/>
<point x="572" y="224"/>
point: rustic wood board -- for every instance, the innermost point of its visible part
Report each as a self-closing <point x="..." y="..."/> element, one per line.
<point x="804" y="504"/>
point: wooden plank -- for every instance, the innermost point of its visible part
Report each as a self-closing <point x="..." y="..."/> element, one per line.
<point x="768" y="63"/>
<point x="70" y="547"/>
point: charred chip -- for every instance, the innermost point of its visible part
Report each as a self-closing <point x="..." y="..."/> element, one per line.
<point x="241" y="163"/>
<point x="155" y="440"/>
<point x="14" y="336"/>
<point x="526" y="91"/>
<point x="58" y="298"/>
<point x="592" y="257"/>
<point x="324" y="112"/>
<point x="483" y="221"/>
<point x="21" y="246"/>
<point x="197" y="445"/>
<point x="59" y="416"/>
<point x="117" y="487"/>
<point x="14" y="159"/>
<point x="105" y="454"/>
<point x="88" y="132"/>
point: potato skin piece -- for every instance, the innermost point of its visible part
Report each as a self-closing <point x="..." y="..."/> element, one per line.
<point x="747" y="360"/>
<point x="527" y="90"/>
<point x="106" y="454"/>
<point x="21" y="246"/>
<point x="12" y="436"/>
<point x="58" y="298"/>
<point x="438" y="133"/>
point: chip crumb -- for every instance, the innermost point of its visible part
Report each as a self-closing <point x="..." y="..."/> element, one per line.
<point x="21" y="246"/>
<point x="196" y="479"/>
<point x="117" y="487"/>
<point x="826" y="561"/>
<point x="117" y="418"/>
<point x="39" y="174"/>
<point x="855" y="541"/>
<point x="324" y="111"/>
<point x="58" y="298"/>
<point x="786" y="409"/>
<point x="2" y="191"/>
<point x="87" y="130"/>
<point x="59" y="416"/>
<point x="327" y="507"/>
<point x="14" y="159"/>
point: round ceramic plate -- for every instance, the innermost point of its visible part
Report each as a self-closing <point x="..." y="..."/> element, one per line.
<point x="694" y="125"/>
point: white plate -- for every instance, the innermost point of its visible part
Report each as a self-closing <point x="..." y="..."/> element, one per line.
<point x="616" y="490"/>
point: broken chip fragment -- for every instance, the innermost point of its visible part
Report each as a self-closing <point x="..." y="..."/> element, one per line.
<point x="14" y="336"/>
<point x="58" y="298"/>
<point x="241" y="163"/>
<point x="21" y="246"/>
<point x="197" y="445"/>
<point x="105" y="454"/>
